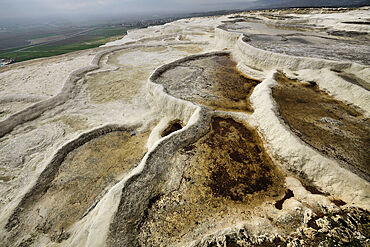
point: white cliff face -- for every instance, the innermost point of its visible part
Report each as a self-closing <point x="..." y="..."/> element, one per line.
<point x="62" y="116"/>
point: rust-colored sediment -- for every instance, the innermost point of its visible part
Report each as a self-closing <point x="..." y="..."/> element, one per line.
<point x="330" y="126"/>
<point x="227" y="174"/>
<point x="232" y="87"/>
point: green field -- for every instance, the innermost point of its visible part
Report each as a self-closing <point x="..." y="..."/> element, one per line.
<point x="90" y="39"/>
<point x="38" y="36"/>
<point x="108" y="32"/>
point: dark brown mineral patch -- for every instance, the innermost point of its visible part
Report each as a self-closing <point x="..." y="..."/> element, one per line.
<point x="288" y="194"/>
<point x="173" y="126"/>
<point x="330" y="126"/>
<point x="311" y="188"/>
<point x="338" y="202"/>
<point x="227" y="173"/>
<point x="237" y="163"/>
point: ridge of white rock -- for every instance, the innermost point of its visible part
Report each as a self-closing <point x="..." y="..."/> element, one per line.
<point x="324" y="172"/>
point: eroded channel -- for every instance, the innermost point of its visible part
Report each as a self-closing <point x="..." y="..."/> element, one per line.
<point x="330" y="126"/>
<point x="211" y="80"/>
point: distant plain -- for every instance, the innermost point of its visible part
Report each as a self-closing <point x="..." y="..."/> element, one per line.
<point x="22" y="46"/>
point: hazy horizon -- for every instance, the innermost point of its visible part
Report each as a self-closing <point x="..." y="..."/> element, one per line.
<point x="85" y="9"/>
<point x="28" y="11"/>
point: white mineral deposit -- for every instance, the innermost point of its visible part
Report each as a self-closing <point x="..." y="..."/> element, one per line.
<point x="250" y="129"/>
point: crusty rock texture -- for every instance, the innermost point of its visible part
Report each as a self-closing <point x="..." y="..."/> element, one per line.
<point x="244" y="130"/>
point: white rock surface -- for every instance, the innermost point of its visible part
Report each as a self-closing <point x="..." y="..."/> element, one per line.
<point x="127" y="96"/>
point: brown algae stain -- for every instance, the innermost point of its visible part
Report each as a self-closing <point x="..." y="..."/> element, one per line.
<point x="233" y="87"/>
<point x="227" y="173"/>
<point x="330" y="126"/>
<point x="241" y="167"/>
<point x="82" y="178"/>
<point x="211" y="80"/>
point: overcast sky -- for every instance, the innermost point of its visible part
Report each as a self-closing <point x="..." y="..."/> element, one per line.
<point x="45" y="8"/>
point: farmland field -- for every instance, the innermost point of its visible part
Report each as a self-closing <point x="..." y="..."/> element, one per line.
<point x="51" y="44"/>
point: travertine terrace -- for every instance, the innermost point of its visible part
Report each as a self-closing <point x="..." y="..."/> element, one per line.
<point x="244" y="130"/>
